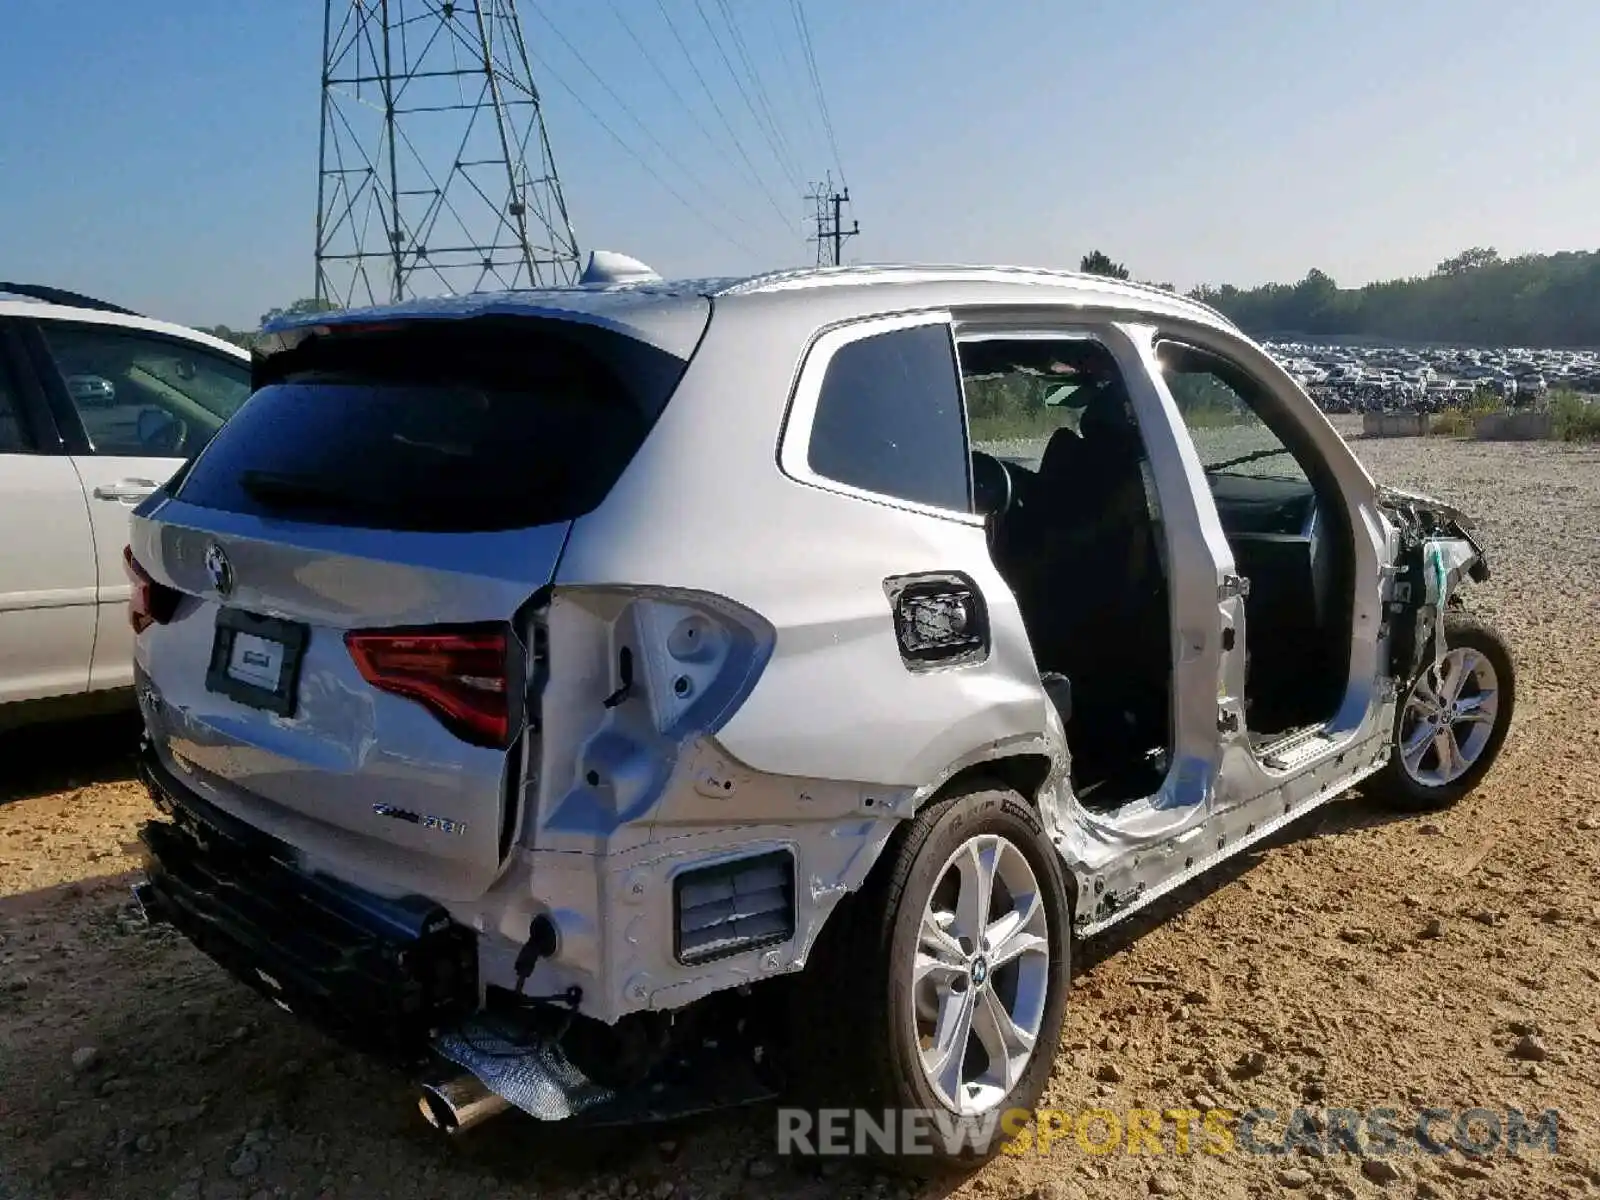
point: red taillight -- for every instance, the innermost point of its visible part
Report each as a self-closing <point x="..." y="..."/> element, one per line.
<point x="149" y="603"/>
<point x="462" y="676"/>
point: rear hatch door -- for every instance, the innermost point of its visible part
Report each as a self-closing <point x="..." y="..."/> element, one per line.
<point x="344" y="661"/>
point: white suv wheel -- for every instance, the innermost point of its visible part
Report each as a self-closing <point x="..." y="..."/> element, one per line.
<point x="980" y="974"/>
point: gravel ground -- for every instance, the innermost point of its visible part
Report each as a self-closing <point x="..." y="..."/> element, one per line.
<point x="1362" y="961"/>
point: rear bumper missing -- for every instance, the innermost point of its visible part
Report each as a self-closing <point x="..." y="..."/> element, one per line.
<point x="399" y="979"/>
<point x="381" y="975"/>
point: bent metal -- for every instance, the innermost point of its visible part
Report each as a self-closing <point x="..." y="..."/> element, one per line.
<point x="659" y="695"/>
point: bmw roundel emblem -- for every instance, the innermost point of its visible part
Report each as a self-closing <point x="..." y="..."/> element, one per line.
<point x="220" y="569"/>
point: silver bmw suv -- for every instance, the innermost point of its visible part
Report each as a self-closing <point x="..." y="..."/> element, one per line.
<point x="616" y="700"/>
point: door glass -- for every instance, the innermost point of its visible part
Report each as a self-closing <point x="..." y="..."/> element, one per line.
<point x="888" y="420"/>
<point x="144" y="395"/>
<point x="1215" y="398"/>
<point x="14" y="437"/>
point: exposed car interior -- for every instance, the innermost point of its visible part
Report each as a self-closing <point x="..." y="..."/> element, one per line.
<point x="1079" y="539"/>
<point x="144" y="396"/>
<point x="1292" y="544"/>
<point x="1078" y="536"/>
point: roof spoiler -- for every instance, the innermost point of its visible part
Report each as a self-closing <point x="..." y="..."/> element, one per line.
<point x="50" y="295"/>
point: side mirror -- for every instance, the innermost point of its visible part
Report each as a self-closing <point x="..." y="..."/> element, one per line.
<point x="158" y="431"/>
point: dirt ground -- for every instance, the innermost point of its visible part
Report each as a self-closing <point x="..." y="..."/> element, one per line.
<point x="1361" y="961"/>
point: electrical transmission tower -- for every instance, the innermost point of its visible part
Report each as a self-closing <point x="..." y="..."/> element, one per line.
<point x="829" y="219"/>
<point x="435" y="173"/>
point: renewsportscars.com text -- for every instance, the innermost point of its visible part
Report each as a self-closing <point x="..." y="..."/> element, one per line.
<point x="1374" y="1131"/>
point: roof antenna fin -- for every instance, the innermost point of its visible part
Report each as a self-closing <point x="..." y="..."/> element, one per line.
<point x="607" y="267"/>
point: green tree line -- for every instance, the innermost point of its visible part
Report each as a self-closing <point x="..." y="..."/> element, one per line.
<point x="1475" y="297"/>
<point x="247" y="337"/>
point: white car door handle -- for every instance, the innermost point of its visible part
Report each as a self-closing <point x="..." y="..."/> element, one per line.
<point x="126" y="491"/>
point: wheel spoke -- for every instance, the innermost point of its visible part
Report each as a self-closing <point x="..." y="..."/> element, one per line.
<point x="1461" y="667"/>
<point x="937" y="940"/>
<point x="1007" y="1043"/>
<point x="1424" y="691"/>
<point x="939" y="955"/>
<point x="1014" y="934"/>
<point x="1479" y="709"/>
<point x="1450" y="763"/>
<point x="976" y="869"/>
<point x="930" y="968"/>
<point x="1417" y="744"/>
<point x="944" y="1059"/>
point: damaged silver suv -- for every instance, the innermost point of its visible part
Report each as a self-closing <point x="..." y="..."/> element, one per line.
<point x="620" y="700"/>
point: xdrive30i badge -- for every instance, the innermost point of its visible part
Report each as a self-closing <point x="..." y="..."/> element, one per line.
<point x="425" y="820"/>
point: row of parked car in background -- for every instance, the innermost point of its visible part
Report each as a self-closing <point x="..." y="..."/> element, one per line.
<point x="1348" y="378"/>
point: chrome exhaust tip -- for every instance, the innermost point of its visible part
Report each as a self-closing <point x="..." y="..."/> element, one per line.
<point x="459" y="1103"/>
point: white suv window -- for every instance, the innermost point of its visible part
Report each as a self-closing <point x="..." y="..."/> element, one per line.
<point x="889" y="419"/>
<point x="14" y="437"/>
<point x="115" y="376"/>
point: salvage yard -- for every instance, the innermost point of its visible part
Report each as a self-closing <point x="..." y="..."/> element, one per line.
<point x="1360" y="962"/>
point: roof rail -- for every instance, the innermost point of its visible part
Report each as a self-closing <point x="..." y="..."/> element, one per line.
<point x="865" y="270"/>
<point x="50" y="295"/>
<point x="1157" y="289"/>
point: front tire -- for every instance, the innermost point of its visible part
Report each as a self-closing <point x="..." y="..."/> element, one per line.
<point x="1451" y="721"/>
<point x="947" y="983"/>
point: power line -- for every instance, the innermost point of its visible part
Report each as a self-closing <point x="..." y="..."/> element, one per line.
<point x="798" y="9"/>
<point x="660" y="74"/>
<point x="754" y="76"/>
<point x="772" y="144"/>
<point x="722" y="116"/>
<point x="640" y="159"/>
<point x="666" y="151"/>
<point x="655" y="65"/>
<point x="795" y="82"/>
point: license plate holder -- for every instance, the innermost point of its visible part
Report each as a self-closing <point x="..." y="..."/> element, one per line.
<point x="255" y="660"/>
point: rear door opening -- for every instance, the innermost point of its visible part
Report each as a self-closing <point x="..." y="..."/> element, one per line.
<point x="353" y="557"/>
<point x="1063" y="473"/>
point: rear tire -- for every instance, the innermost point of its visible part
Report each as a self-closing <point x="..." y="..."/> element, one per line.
<point x="1448" y="730"/>
<point x="902" y="965"/>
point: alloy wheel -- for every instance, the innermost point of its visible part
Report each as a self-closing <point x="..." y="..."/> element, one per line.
<point x="981" y="973"/>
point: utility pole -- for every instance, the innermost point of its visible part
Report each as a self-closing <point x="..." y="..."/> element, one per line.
<point x="829" y="220"/>
<point x="435" y="173"/>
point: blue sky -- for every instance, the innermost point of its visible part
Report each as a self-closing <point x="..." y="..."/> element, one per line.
<point x="164" y="155"/>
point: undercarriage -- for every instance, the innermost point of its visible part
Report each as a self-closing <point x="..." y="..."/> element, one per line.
<point x="398" y="980"/>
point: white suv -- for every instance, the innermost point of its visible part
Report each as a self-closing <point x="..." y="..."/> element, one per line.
<point x="529" y="676"/>
<point x="98" y="407"/>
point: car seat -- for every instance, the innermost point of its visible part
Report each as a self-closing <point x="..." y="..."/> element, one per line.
<point x="1090" y="583"/>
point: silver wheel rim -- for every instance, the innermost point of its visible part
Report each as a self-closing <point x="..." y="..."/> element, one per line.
<point x="981" y="974"/>
<point x="1449" y="717"/>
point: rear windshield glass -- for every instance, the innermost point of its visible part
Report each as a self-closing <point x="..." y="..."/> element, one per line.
<point x="468" y="425"/>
